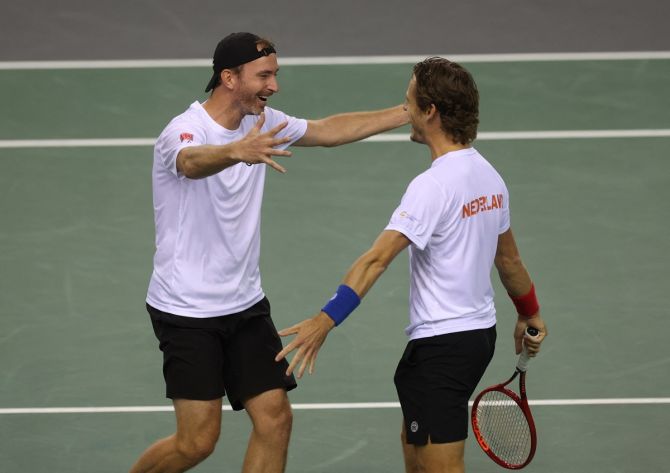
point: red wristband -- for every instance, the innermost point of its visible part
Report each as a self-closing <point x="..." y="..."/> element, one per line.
<point x="526" y="305"/>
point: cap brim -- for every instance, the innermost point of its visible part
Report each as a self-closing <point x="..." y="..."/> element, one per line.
<point x="212" y="82"/>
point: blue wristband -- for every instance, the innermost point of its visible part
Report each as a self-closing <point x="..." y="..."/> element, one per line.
<point x="341" y="304"/>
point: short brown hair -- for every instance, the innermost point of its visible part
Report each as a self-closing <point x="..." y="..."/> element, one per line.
<point x="451" y="88"/>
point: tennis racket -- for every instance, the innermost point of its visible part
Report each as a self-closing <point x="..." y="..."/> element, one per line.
<point x="502" y="422"/>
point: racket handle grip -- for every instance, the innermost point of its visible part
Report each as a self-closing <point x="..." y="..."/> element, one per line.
<point x="522" y="364"/>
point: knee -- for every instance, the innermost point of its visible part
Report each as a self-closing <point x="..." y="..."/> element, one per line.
<point x="196" y="449"/>
<point x="275" y="422"/>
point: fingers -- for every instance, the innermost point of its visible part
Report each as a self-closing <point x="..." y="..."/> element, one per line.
<point x="281" y="141"/>
<point x="280" y="152"/>
<point x="276" y="129"/>
<point x="259" y="148"/>
<point x="291" y="346"/>
<point x="296" y="358"/>
<point x="259" y="124"/>
<point x="275" y="166"/>
<point x="304" y="357"/>
<point x="301" y="370"/>
<point x="533" y="343"/>
<point x="272" y="132"/>
<point x="310" y="334"/>
<point x="282" y="354"/>
<point x="288" y="331"/>
<point x="534" y="348"/>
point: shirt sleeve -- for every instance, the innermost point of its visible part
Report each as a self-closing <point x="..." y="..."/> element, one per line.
<point x="420" y="210"/>
<point x="177" y="136"/>
<point x="295" y="129"/>
<point x="504" y="214"/>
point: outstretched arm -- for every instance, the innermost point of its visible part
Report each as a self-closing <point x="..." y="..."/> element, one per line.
<point x="312" y="332"/>
<point x="349" y="127"/>
<point x="515" y="278"/>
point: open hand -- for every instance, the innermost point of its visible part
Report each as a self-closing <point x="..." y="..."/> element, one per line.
<point x="310" y="335"/>
<point x="258" y="148"/>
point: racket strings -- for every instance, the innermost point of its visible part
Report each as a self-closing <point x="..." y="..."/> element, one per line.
<point x="504" y="427"/>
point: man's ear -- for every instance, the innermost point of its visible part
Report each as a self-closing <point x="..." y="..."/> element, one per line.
<point x="228" y="79"/>
<point x="432" y="112"/>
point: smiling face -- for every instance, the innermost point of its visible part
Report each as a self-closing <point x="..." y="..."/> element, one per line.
<point x="256" y="82"/>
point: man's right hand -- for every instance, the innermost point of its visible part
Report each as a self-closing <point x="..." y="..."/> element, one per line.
<point x="258" y="148"/>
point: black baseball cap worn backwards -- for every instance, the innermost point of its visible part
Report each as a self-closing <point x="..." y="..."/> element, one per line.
<point x="234" y="50"/>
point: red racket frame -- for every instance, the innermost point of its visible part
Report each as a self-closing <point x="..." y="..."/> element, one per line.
<point x="522" y="402"/>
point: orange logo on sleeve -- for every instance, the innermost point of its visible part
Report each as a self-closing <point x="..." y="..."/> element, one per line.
<point x="482" y="204"/>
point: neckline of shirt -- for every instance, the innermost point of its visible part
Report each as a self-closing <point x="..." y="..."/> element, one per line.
<point x="453" y="154"/>
<point x="222" y="129"/>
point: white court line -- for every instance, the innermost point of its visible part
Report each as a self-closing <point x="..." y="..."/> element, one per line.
<point x="327" y="406"/>
<point x="386" y="137"/>
<point x="543" y="135"/>
<point x="340" y="60"/>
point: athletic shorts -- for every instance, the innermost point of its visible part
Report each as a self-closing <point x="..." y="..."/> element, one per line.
<point x="233" y="355"/>
<point x="435" y="378"/>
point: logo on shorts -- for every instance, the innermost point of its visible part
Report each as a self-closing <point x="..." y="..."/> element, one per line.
<point x="414" y="426"/>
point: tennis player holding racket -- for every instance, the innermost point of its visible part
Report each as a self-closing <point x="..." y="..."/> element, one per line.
<point x="454" y="217"/>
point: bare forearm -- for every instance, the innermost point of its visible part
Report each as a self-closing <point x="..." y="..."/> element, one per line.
<point x="364" y="273"/>
<point x="371" y="265"/>
<point x="349" y="127"/>
<point x="198" y="162"/>
<point x="514" y="276"/>
<point x="513" y="273"/>
<point x="359" y="125"/>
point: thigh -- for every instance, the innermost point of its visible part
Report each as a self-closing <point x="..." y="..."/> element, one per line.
<point x="435" y="379"/>
<point x="250" y="367"/>
<point x="198" y="420"/>
<point x="441" y="457"/>
<point x="192" y="359"/>
<point x="433" y="457"/>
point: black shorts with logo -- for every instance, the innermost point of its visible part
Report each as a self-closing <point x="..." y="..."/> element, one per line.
<point x="233" y="355"/>
<point x="436" y="377"/>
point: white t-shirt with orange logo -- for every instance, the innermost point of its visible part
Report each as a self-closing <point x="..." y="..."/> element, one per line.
<point x="208" y="230"/>
<point x="452" y="213"/>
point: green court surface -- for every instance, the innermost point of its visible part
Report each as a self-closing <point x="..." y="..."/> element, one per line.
<point x="591" y="217"/>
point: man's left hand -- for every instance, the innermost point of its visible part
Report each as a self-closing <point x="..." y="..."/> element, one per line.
<point x="310" y="335"/>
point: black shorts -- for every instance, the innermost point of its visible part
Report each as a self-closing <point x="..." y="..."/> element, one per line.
<point x="205" y="359"/>
<point x="435" y="378"/>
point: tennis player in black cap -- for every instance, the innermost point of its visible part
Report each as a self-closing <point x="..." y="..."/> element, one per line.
<point x="205" y="298"/>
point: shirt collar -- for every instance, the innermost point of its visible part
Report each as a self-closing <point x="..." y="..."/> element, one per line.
<point x="453" y="154"/>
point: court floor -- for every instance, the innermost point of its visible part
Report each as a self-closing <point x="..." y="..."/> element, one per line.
<point x="590" y="211"/>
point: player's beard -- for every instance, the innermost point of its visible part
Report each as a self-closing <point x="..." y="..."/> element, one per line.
<point x="251" y="104"/>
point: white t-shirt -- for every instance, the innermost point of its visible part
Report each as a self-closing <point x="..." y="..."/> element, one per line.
<point x="208" y="230"/>
<point x="452" y="213"/>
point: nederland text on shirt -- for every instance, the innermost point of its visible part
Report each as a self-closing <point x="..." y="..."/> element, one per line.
<point x="482" y="204"/>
